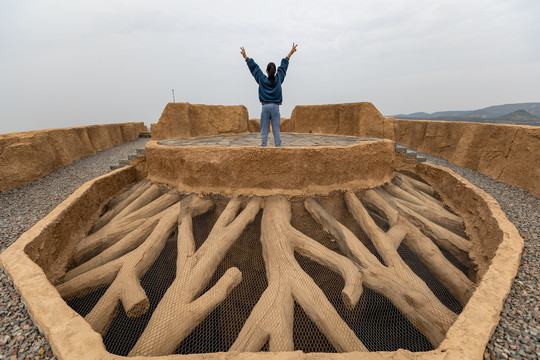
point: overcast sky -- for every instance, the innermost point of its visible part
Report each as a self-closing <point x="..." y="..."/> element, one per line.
<point x="73" y="63"/>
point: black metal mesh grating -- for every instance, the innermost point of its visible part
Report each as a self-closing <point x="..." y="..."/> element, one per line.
<point x="375" y="320"/>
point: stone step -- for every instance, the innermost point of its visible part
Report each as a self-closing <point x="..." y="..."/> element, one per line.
<point x="132" y="157"/>
<point x="123" y="162"/>
<point x="401" y="149"/>
<point x="410" y="154"/>
<point x="141" y="151"/>
<point x="145" y="134"/>
<point x="114" y="167"/>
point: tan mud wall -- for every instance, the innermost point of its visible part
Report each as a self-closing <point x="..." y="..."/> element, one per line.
<point x="28" y="156"/>
<point x="287" y="170"/>
<point x="357" y="119"/>
<point x="509" y="153"/>
<point x="185" y="120"/>
<point x="254" y="125"/>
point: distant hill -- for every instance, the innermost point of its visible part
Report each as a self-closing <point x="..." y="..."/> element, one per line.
<point x="517" y="114"/>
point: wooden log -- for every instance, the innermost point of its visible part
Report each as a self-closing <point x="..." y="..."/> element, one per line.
<point x="399" y="193"/>
<point x="106" y="273"/>
<point x="430" y="208"/>
<point x="123" y="224"/>
<point x="272" y="317"/>
<point x="153" y="192"/>
<point x="118" y="199"/>
<point x="122" y="247"/>
<point x="426" y="188"/>
<point x="125" y="287"/>
<point x="396" y="281"/>
<point x="181" y="310"/>
<point x="458" y="246"/>
<point x="119" y="203"/>
<point x="452" y="278"/>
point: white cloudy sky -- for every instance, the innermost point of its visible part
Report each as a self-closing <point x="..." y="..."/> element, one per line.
<point x="70" y="63"/>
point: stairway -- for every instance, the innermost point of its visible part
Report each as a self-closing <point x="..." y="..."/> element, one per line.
<point x="126" y="162"/>
<point x="409" y="152"/>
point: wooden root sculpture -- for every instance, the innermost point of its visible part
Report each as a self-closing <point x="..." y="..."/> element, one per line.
<point x="393" y="279"/>
<point x="124" y="273"/>
<point x="272" y="317"/>
<point x="182" y="307"/>
<point x="128" y="238"/>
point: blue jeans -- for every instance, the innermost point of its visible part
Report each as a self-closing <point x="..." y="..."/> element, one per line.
<point x="270" y="113"/>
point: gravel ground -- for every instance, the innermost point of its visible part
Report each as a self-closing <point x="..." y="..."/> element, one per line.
<point x="20" y="209"/>
<point x="516" y="336"/>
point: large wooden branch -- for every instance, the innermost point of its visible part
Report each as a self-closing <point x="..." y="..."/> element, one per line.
<point x="397" y="281"/>
<point x="126" y="286"/>
<point x="129" y="192"/>
<point x="122" y="247"/>
<point x="180" y="311"/>
<point x="124" y="275"/>
<point x="458" y="246"/>
<point x="425" y="205"/>
<point x="418" y="185"/>
<point x="402" y="182"/>
<point x="140" y="209"/>
<point x="272" y="317"/>
<point x="116" y="205"/>
<point x="124" y="223"/>
<point x="430" y="255"/>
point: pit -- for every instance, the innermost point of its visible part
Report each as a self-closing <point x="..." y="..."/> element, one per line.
<point x="213" y="247"/>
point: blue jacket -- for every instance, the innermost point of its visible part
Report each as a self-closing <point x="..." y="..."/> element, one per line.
<point x="267" y="91"/>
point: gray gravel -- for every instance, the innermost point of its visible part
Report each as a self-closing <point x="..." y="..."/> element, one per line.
<point x="516" y="336"/>
<point x="20" y="209"/>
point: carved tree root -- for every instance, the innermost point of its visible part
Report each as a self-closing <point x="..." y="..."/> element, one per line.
<point x="396" y="281"/>
<point x="119" y="203"/>
<point x="124" y="223"/>
<point x="458" y="246"/>
<point x="430" y="255"/>
<point x="123" y="196"/>
<point x="272" y="318"/>
<point x="179" y="311"/>
<point x="125" y="273"/>
<point x="424" y="204"/>
<point x="128" y="243"/>
<point x="418" y="185"/>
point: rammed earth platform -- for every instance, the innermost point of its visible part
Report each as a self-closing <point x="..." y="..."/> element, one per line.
<point x="254" y="139"/>
<point x="307" y="164"/>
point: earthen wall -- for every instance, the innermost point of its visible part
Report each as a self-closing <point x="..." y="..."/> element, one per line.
<point x="357" y="119"/>
<point x="509" y="153"/>
<point x="288" y="170"/>
<point x="185" y="120"/>
<point x="28" y="156"/>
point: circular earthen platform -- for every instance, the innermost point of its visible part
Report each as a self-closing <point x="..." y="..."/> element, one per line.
<point x="254" y="139"/>
<point x="306" y="164"/>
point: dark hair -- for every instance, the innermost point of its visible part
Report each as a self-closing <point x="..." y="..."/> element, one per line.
<point x="271" y="69"/>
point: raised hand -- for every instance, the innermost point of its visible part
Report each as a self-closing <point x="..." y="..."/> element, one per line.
<point x="243" y="52"/>
<point x="293" y="50"/>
